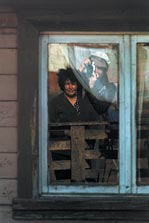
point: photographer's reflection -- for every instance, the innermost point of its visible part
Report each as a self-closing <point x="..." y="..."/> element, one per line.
<point x="102" y="94"/>
<point x="100" y="91"/>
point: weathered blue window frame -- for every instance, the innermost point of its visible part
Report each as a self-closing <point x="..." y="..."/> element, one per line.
<point x="127" y="100"/>
<point x="134" y="40"/>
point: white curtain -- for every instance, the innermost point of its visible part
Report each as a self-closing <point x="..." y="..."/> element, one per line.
<point x="84" y="60"/>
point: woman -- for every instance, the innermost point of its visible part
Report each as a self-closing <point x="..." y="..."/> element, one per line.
<point x="69" y="105"/>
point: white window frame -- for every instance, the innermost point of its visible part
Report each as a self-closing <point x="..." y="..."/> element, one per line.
<point x="127" y="98"/>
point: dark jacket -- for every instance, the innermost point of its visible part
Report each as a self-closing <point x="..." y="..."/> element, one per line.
<point x="61" y="110"/>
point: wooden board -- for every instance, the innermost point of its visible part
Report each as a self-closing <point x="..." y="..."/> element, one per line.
<point x="77" y="153"/>
<point x="8" y="191"/>
<point x="8" y="56"/>
<point x="8" y="87"/>
<point x="8" y="165"/>
<point x="8" y="139"/>
<point x="8" y="114"/>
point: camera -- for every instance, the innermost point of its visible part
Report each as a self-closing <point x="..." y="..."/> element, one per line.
<point x="88" y="69"/>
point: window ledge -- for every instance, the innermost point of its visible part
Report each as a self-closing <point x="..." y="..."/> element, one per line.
<point x="113" y="207"/>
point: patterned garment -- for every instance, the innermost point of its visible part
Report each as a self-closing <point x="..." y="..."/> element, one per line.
<point x="77" y="107"/>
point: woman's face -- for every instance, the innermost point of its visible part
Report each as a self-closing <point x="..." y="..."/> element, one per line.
<point x="70" y="88"/>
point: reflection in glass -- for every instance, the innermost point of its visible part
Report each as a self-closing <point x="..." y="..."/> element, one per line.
<point x="143" y="114"/>
<point x="83" y="113"/>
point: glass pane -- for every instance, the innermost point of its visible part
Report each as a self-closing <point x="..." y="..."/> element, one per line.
<point x="83" y="113"/>
<point x="143" y="114"/>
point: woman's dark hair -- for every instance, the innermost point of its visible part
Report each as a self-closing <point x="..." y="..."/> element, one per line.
<point x="66" y="74"/>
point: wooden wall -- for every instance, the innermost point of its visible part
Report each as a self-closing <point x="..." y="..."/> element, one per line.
<point x="8" y="111"/>
<point x="8" y="116"/>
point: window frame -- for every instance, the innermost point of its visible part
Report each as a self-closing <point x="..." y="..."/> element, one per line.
<point x="29" y="204"/>
<point x="122" y="41"/>
<point x="144" y="189"/>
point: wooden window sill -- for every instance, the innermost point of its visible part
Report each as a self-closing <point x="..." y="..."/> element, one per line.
<point x="114" y="207"/>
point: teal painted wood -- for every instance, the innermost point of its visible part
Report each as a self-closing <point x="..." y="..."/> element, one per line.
<point x="133" y="111"/>
<point x="136" y="39"/>
<point x="142" y="189"/>
<point x="84" y="38"/>
<point x="83" y="189"/>
<point x="127" y="117"/>
<point x="122" y="155"/>
<point x="43" y="113"/>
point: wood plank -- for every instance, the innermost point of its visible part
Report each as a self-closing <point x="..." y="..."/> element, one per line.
<point x="77" y="153"/>
<point x="86" y="203"/>
<point x="6" y="9"/>
<point x="63" y="165"/>
<point x="92" y="154"/>
<point x="117" y="208"/>
<point x="60" y="165"/>
<point x="52" y="176"/>
<point x="26" y="5"/>
<point x="8" y="190"/>
<point x="89" y="133"/>
<point x="90" y="173"/>
<point x="8" y="20"/>
<point x="59" y="145"/>
<point x="69" y="20"/>
<point x="8" y="30"/>
<point x="142" y="163"/>
<point x="103" y="216"/>
<point x="6" y="214"/>
<point x="8" y="56"/>
<point x="8" y="165"/>
<point x="28" y="65"/>
<point x="95" y="134"/>
<point x="97" y="174"/>
<point x="8" y="139"/>
<point x="62" y="181"/>
<point x="8" y="114"/>
<point x="97" y="123"/>
<point x="8" y="40"/>
<point x="8" y="87"/>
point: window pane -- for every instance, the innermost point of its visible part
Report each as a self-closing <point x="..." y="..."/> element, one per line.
<point x="83" y="113"/>
<point x="143" y="114"/>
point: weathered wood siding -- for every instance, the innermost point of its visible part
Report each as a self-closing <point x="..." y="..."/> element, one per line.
<point x="8" y="112"/>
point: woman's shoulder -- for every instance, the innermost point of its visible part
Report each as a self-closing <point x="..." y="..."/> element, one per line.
<point x="57" y="98"/>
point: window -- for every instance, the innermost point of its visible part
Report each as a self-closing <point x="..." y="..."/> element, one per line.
<point x="42" y="197"/>
<point x="107" y="155"/>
